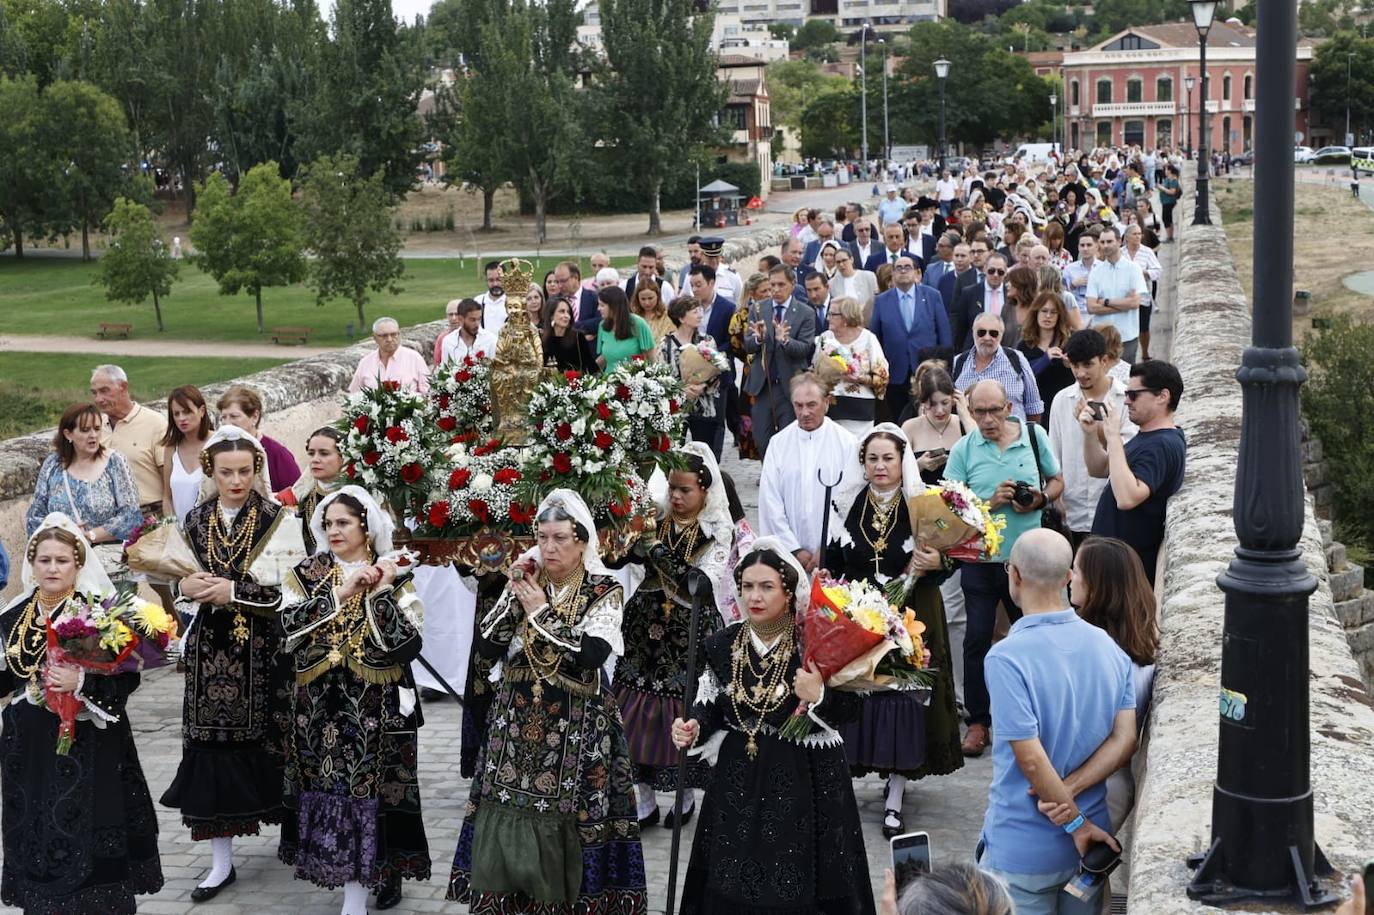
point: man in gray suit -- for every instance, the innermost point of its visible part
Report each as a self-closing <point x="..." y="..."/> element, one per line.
<point x="782" y="333"/>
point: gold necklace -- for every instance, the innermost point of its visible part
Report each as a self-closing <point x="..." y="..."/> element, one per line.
<point x="682" y="544"/>
<point x="223" y="553"/>
<point x="768" y="693"/>
<point x="31" y="634"/>
<point x="882" y="519"/>
<point x="939" y="432"/>
<point x="565" y="602"/>
<point x="338" y="635"/>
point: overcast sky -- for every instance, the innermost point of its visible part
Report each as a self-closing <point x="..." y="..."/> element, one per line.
<point x="406" y="10"/>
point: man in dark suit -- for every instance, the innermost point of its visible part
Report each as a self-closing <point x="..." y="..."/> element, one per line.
<point x="961" y="274"/>
<point x="943" y="263"/>
<point x="908" y="320"/>
<point x="894" y="246"/>
<point x="972" y="300"/>
<point x="568" y="276"/>
<point x="825" y="231"/>
<point x="782" y="332"/>
<point x="864" y="245"/>
<point x="716" y="312"/>
<point x="792" y="250"/>
<point x="852" y="211"/>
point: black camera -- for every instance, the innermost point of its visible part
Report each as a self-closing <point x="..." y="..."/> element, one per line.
<point x="1024" y="494"/>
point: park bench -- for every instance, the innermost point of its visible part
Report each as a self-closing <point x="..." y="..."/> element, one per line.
<point x="108" y="330"/>
<point x="285" y="335"/>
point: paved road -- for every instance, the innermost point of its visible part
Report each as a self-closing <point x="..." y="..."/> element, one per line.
<point x="26" y="343"/>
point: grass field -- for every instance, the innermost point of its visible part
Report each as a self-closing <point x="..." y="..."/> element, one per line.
<point x="36" y="387"/>
<point x="58" y="296"/>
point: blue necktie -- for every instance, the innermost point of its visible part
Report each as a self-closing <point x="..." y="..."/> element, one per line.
<point x="908" y="303"/>
<point x="777" y="313"/>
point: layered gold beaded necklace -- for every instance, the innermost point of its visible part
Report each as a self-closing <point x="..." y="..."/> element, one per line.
<point x="768" y="692"/>
<point x="683" y="543"/>
<point x="28" y="641"/>
<point x="224" y="552"/>
<point x="882" y="518"/>
<point x="565" y="602"/>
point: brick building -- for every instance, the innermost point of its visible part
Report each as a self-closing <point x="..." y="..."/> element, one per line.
<point x="1130" y="89"/>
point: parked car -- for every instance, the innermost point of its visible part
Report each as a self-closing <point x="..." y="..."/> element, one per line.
<point x="957" y="165"/>
<point x="1332" y="155"/>
<point x="1245" y="158"/>
<point x="1303" y="154"/>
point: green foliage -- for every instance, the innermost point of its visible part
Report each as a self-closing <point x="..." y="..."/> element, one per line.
<point x="782" y="31"/>
<point x="1329" y="86"/>
<point x="793" y="83"/>
<point x="830" y="122"/>
<point x="26" y="174"/>
<point x="349" y="233"/>
<point x="252" y="239"/>
<point x="138" y="263"/>
<point x="1338" y="402"/>
<point x="87" y="133"/>
<point x="665" y="44"/>
<point x="1323" y="18"/>
<point x="602" y="191"/>
<point x="815" y="33"/>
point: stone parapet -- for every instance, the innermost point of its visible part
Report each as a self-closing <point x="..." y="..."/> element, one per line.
<point x="1177" y="773"/>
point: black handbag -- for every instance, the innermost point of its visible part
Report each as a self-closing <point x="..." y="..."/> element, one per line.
<point x="1050" y="516"/>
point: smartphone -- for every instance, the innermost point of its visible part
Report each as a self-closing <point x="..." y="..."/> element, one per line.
<point x="1099" y="863"/>
<point x="1099" y="409"/>
<point x="910" y="858"/>
<point x="937" y="452"/>
<point x="1369" y="887"/>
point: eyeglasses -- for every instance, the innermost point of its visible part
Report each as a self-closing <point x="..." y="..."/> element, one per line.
<point x="1133" y="393"/>
<point x="993" y="271"/>
<point x="994" y="333"/>
<point x="987" y="411"/>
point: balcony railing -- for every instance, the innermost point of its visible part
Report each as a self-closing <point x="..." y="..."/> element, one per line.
<point x="1128" y="109"/>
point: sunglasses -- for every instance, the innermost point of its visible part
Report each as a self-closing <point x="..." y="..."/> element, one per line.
<point x="1133" y="393"/>
<point x="993" y="271"/>
<point x="994" y="333"/>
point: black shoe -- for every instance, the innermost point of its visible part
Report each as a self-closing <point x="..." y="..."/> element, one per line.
<point x="672" y="818"/>
<point x="206" y="893"/>
<point x="890" y="831"/>
<point x="651" y="819"/>
<point x="432" y="695"/>
<point x="389" y="893"/>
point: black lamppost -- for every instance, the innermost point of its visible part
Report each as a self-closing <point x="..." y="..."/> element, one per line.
<point x="1188" y="116"/>
<point x="887" y="143"/>
<point x="1263" y="845"/>
<point x="941" y="72"/>
<point x="1054" y="121"/>
<point x="863" y="93"/>
<point x="1202" y="19"/>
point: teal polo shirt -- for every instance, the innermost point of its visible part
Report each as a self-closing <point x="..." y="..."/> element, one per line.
<point x="983" y="466"/>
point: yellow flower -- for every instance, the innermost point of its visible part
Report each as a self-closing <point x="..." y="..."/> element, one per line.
<point x="840" y="363"/>
<point x="116" y="637"/>
<point x="871" y="620"/>
<point x="152" y="618"/>
<point x="838" y="595"/>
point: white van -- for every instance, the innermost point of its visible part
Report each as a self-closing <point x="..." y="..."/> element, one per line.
<point x="1035" y="152"/>
<point x="1362" y="159"/>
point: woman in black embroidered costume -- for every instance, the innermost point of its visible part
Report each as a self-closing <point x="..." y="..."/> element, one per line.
<point x="80" y="835"/>
<point x="550" y="826"/>
<point x="697" y="533"/>
<point x="895" y="735"/>
<point x="237" y="707"/>
<point x="325" y="476"/>
<point x="352" y="623"/>
<point x="779" y="829"/>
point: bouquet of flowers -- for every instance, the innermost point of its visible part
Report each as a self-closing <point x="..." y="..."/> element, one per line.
<point x="461" y="393"/>
<point x="160" y="551"/>
<point x="837" y="364"/>
<point x="581" y="433"/>
<point x="652" y="399"/>
<point x="949" y="518"/>
<point x="391" y="440"/>
<point x="859" y="642"/>
<point x="120" y="634"/>
<point x="701" y="363"/>
<point x="475" y="488"/>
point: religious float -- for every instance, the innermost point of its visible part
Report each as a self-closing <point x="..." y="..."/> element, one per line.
<point x="465" y="465"/>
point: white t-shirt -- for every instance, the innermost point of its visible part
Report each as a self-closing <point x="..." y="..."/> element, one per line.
<point x="945" y="189"/>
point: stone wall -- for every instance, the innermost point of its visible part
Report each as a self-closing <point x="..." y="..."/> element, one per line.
<point x="1177" y="763"/>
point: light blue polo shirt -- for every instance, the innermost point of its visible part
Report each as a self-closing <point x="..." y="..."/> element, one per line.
<point x="1117" y="281"/>
<point x="1061" y="679"/>
<point x="984" y="466"/>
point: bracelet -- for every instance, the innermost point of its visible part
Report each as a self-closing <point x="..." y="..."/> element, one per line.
<point x="1075" y="824"/>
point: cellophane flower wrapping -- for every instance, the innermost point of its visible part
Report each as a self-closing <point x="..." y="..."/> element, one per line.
<point x="159" y="550"/>
<point x="949" y="518"/>
<point x="700" y="363"/>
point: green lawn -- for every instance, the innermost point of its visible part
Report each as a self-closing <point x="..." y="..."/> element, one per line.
<point x="36" y="387"/>
<point x="58" y="296"/>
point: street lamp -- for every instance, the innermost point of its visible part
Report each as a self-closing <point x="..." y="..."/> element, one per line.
<point x="941" y="73"/>
<point x="863" y="93"/>
<point x="1262" y="819"/>
<point x="1188" y="116"/>
<point x="887" y="143"/>
<point x="1054" y="121"/>
<point x="1203" y="11"/>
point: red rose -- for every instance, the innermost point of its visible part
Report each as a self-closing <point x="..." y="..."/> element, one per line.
<point x="438" y="514"/>
<point x="361" y="423"/>
<point x="571" y="375"/>
<point x="603" y="440"/>
<point x="372" y="457"/>
<point x="622" y="392"/>
<point x="603" y="410"/>
<point x="479" y="510"/>
<point x="521" y="514"/>
<point x="411" y="473"/>
<point x="459" y="478"/>
<point x="396" y="434"/>
<point x="672" y="406"/>
<point x="544" y="476"/>
<point x="351" y="470"/>
<point x="562" y="463"/>
<point x="462" y="375"/>
<point x="507" y="475"/>
<point x="391" y="385"/>
<point x="664" y="443"/>
<point x="443" y="401"/>
<point x="469" y="361"/>
<point x="448" y="423"/>
<point x="563" y="432"/>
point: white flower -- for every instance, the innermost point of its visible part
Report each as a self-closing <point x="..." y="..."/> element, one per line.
<point x="481" y="482"/>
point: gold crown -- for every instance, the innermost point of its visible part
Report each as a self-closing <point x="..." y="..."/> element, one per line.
<point x="517" y="275"/>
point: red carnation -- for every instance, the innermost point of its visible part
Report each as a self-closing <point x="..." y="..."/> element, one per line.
<point x="438" y="514"/>
<point x="620" y="509"/>
<point x="544" y="476"/>
<point x="462" y="375"/>
<point x="563" y="432"/>
<point x="664" y="443"/>
<point x="562" y="463"/>
<point x="521" y="514"/>
<point x="372" y="457"/>
<point x="361" y="423"/>
<point x="571" y="375"/>
<point x="465" y="437"/>
<point x="391" y="385"/>
<point x="491" y="445"/>
<point x="351" y="470"/>
<point x="411" y="473"/>
<point x="622" y="392"/>
<point x="459" y="478"/>
<point x="448" y="423"/>
<point x="479" y="510"/>
<point x="469" y="361"/>
<point x="507" y="476"/>
<point x="603" y="440"/>
<point x="603" y="410"/>
<point x="396" y="434"/>
<point x="443" y="401"/>
<point x="672" y="406"/>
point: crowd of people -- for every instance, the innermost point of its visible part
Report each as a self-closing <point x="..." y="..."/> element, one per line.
<point x="990" y="339"/>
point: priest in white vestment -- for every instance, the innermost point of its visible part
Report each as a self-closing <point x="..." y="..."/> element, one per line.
<point x="801" y="458"/>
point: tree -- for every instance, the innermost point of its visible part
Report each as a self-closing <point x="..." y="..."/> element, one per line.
<point x="465" y="128"/>
<point x="138" y="262"/>
<point x="815" y="33"/>
<point x="27" y="173"/>
<point x="349" y="233"/>
<point x="91" y="146"/>
<point x="1331" y="91"/>
<point x="252" y="239"/>
<point x="782" y="31"/>
<point x="829" y="124"/>
<point x="791" y="85"/>
<point x="665" y="44"/>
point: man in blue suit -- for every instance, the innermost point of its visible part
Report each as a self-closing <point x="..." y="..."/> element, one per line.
<point x="943" y="263"/>
<point x="908" y="320"/>
<point x="894" y="246"/>
<point x="716" y="312"/>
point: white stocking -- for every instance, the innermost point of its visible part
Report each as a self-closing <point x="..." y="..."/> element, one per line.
<point x="647" y="802"/>
<point x="689" y="800"/>
<point x="355" y="899"/>
<point x="222" y="861"/>
<point x="896" y="787"/>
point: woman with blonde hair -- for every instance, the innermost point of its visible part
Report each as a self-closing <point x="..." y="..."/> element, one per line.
<point x="241" y="406"/>
<point x="648" y="304"/>
<point x="1044" y="332"/>
<point x="856" y="395"/>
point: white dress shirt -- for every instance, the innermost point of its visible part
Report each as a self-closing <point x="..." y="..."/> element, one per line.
<point x="1081" y="489"/>
<point x="494" y="312"/>
<point x="455" y="347"/>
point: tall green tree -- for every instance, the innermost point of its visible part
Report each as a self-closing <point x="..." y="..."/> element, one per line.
<point x="466" y="128"/>
<point x="92" y="148"/>
<point x="27" y="171"/>
<point x="181" y="44"/>
<point x="658" y="92"/>
<point x="792" y="84"/>
<point x="354" y="246"/>
<point x="138" y="263"/>
<point x="252" y="239"/>
<point x="1332" y="90"/>
<point x="830" y="123"/>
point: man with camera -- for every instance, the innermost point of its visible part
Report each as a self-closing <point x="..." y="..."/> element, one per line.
<point x="1003" y="464"/>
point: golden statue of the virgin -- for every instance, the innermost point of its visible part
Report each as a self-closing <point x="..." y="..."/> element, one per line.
<point x="519" y="357"/>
